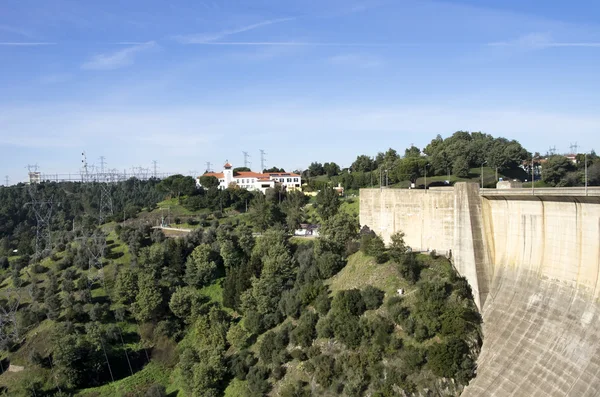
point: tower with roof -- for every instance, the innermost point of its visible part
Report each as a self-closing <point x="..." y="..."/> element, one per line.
<point x="228" y="173"/>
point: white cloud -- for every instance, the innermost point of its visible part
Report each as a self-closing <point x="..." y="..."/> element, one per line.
<point x="18" y="31"/>
<point x="533" y="41"/>
<point x="204" y="38"/>
<point x="117" y="59"/>
<point x="25" y="44"/>
<point x="292" y="44"/>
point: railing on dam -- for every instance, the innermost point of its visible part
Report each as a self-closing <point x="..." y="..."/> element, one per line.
<point x="544" y="191"/>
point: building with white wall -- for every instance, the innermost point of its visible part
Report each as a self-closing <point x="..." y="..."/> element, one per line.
<point x="254" y="180"/>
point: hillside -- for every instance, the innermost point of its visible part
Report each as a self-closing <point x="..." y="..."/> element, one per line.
<point x="262" y="312"/>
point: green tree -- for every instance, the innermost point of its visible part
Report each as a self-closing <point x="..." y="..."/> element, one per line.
<point x="261" y="212"/>
<point x="460" y="167"/>
<point x="176" y="185"/>
<point x="327" y="203"/>
<point x="184" y="303"/>
<point x="200" y="268"/>
<point x="149" y="300"/>
<point x="126" y="288"/>
<point x="363" y="163"/>
<point x="340" y="228"/>
<point x="331" y="169"/>
<point x="555" y="170"/>
<point x="293" y="208"/>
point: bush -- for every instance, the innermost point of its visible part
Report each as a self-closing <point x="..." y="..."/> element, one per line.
<point x="445" y="359"/>
<point x="257" y="381"/>
<point x="324" y="328"/>
<point x="313" y="351"/>
<point x="297" y="389"/>
<point x="322" y="302"/>
<point x="325" y="370"/>
<point x="304" y="333"/>
<point x="156" y="391"/>
<point x="237" y="336"/>
<point x="290" y="303"/>
<point x="373" y="297"/>
<point x="298" y="354"/>
<point x="279" y="372"/>
<point x="329" y="264"/>
<point x="348" y="302"/>
<point x="241" y="363"/>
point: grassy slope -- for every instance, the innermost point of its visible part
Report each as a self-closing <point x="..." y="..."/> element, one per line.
<point x="152" y="373"/>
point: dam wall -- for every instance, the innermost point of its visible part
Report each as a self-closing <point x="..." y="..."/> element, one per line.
<point x="441" y="219"/>
<point x="534" y="270"/>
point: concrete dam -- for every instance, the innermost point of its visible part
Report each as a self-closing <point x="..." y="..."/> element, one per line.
<point x="532" y="258"/>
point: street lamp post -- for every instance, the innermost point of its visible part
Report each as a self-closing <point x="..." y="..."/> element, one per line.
<point x="482" y="173"/>
<point x="426" y="177"/>
<point x="586" y="173"/>
<point x="532" y="178"/>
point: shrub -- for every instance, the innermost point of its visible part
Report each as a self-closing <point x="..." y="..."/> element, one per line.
<point x="373" y="297"/>
<point x="313" y="351"/>
<point x="257" y="381"/>
<point x="298" y="354"/>
<point x="325" y="371"/>
<point x="445" y="359"/>
<point x="324" y="328"/>
<point x="237" y="336"/>
<point x="279" y="372"/>
<point x="290" y="303"/>
<point x="156" y="391"/>
<point x="413" y="358"/>
<point x="349" y="302"/>
<point x="304" y="333"/>
<point x="329" y="264"/>
<point x="322" y="302"/>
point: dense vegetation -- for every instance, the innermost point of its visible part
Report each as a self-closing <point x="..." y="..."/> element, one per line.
<point x="238" y="306"/>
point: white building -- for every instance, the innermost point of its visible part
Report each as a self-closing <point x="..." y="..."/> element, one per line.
<point x="253" y="180"/>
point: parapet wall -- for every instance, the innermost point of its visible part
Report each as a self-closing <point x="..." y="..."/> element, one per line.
<point x="425" y="216"/>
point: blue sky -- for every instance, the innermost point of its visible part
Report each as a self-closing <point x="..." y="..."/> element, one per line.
<point x="186" y="82"/>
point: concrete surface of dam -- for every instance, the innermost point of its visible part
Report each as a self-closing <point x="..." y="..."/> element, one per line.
<point x="532" y="259"/>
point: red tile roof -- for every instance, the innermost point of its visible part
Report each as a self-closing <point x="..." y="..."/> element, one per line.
<point x="217" y="175"/>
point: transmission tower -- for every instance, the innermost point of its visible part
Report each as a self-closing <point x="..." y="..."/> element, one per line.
<point x="9" y="329"/>
<point x="6" y="180"/>
<point x="208" y="165"/>
<point x="154" y="163"/>
<point x="552" y="150"/>
<point x="43" y="216"/>
<point x="262" y="160"/>
<point x="246" y="162"/>
<point x="102" y="163"/>
<point x="84" y="168"/>
<point x="574" y="148"/>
